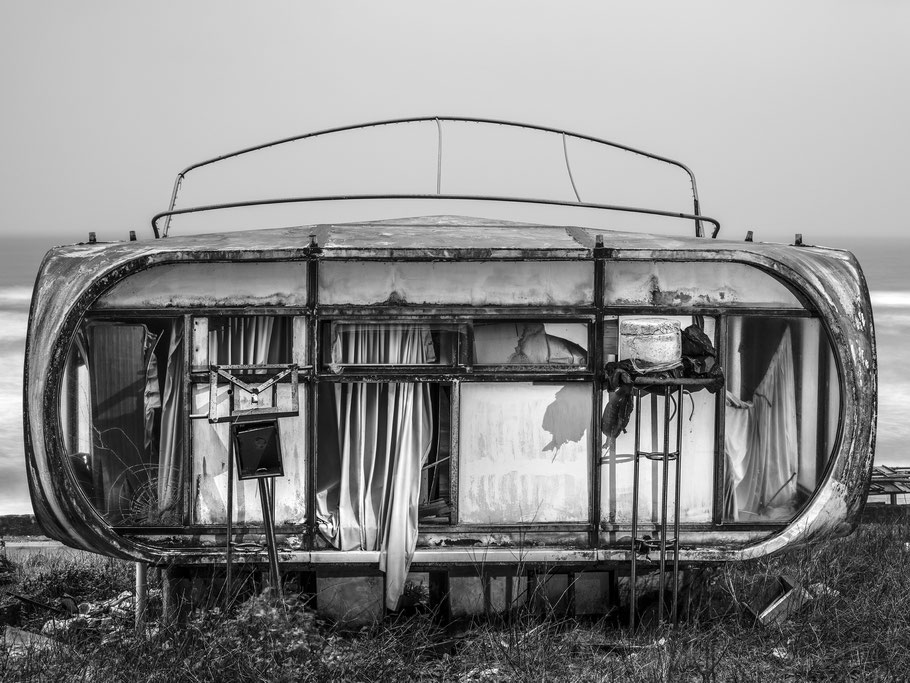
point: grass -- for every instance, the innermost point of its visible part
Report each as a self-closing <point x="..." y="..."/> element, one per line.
<point x="856" y="628"/>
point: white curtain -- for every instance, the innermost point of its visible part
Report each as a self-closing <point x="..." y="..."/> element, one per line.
<point x="170" y="453"/>
<point x="760" y="442"/>
<point x="249" y="340"/>
<point x="384" y="435"/>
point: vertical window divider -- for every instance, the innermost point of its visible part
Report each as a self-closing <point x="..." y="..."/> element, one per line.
<point x="720" y="343"/>
<point x="595" y="356"/>
<point x="310" y="402"/>
<point x="186" y="427"/>
<point x="454" y="454"/>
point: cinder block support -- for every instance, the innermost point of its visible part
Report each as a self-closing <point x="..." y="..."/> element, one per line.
<point x="593" y="593"/>
<point x="466" y="596"/>
<point x="553" y="593"/>
<point x="351" y="601"/>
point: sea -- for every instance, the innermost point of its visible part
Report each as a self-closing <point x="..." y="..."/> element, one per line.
<point x="884" y="261"/>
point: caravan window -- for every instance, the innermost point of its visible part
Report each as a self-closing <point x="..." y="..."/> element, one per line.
<point x="122" y="417"/>
<point x="781" y="410"/>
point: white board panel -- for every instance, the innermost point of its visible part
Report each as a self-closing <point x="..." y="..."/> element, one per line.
<point x="523" y="452"/>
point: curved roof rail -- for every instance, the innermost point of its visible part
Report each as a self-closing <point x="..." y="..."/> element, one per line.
<point x="695" y="215"/>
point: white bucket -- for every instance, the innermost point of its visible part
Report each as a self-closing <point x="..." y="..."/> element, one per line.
<point x="652" y="344"/>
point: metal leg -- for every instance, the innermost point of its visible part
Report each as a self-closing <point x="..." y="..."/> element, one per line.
<point x="676" y="504"/>
<point x="635" y="475"/>
<point x="663" y="505"/>
<point x="265" y="499"/>
<point x="142" y="593"/>
<point x="229" y="549"/>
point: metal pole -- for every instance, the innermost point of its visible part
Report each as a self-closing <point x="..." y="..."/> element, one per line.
<point x="634" y="508"/>
<point x="662" y="581"/>
<point x="265" y="498"/>
<point x="230" y="506"/>
<point x="676" y="503"/>
<point x="142" y="594"/>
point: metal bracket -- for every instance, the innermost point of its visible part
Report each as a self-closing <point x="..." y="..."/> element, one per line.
<point x="226" y="372"/>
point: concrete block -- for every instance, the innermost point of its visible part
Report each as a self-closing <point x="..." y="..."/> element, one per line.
<point x="507" y="592"/>
<point x="350" y="600"/>
<point x="592" y="593"/>
<point x="466" y="597"/>
<point x="552" y="594"/>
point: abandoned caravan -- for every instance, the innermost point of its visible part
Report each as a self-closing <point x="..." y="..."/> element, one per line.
<point x="499" y="406"/>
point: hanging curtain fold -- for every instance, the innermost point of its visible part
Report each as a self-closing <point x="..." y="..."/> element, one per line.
<point x="760" y="443"/>
<point x="372" y="454"/>
<point x="170" y="453"/>
<point x="250" y="340"/>
<point x="120" y="362"/>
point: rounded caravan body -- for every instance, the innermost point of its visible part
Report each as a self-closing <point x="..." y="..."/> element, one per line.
<point x="449" y="393"/>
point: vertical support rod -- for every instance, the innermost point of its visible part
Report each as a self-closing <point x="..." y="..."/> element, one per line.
<point x="229" y="526"/>
<point x="635" y="475"/>
<point x="265" y="498"/>
<point x="142" y="593"/>
<point x="676" y="503"/>
<point x="596" y="475"/>
<point x="655" y="466"/>
<point x="311" y="396"/>
<point x="665" y="486"/>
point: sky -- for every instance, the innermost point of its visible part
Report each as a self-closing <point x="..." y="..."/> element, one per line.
<point x="792" y="115"/>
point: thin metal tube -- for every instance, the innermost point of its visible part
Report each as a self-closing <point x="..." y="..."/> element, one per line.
<point x="265" y="499"/>
<point x="439" y="157"/>
<point x="229" y="551"/>
<point x="418" y="119"/>
<point x="676" y="505"/>
<point x="565" y="153"/>
<point x="635" y="475"/>
<point x="665" y="485"/>
<point x="458" y="197"/>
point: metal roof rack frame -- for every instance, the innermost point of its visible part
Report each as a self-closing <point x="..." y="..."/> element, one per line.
<point x="695" y="216"/>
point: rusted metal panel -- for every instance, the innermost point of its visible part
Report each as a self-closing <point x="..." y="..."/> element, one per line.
<point x="184" y="285"/>
<point x="72" y="278"/>
<point x="636" y="283"/>
<point x="524" y="283"/>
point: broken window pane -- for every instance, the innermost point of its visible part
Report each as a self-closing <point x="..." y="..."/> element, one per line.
<point x="524" y="450"/>
<point x="782" y="405"/>
<point x="122" y="415"/>
<point x="531" y="343"/>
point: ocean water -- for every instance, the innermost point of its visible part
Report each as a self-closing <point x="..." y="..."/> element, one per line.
<point x="885" y="263"/>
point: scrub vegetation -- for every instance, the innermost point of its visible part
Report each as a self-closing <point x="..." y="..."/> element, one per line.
<point x="855" y="627"/>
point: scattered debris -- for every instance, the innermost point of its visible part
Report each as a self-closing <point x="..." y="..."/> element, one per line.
<point x="20" y="642"/>
<point x="817" y="590"/>
<point x="786" y="598"/>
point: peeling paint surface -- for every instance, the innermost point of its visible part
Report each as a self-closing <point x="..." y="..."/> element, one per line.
<point x="530" y="283"/>
<point x="685" y="284"/>
<point x="210" y="284"/>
